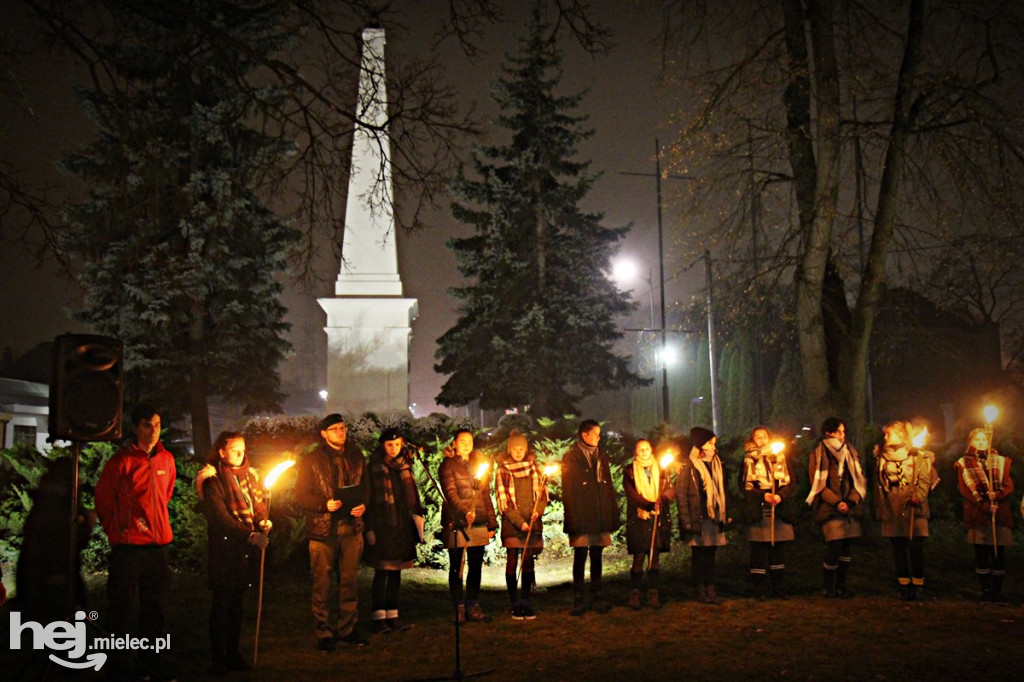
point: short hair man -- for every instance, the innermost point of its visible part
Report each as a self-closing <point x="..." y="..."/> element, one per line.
<point x="332" y="489"/>
<point x="131" y="499"/>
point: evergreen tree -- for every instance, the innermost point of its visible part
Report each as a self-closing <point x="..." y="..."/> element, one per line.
<point x="537" y="321"/>
<point x="178" y="252"/>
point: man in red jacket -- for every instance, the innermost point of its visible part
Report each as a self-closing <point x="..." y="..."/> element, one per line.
<point x="131" y="499"/>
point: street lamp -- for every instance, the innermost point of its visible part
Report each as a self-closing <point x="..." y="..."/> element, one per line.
<point x="626" y="270"/>
<point x="694" y="401"/>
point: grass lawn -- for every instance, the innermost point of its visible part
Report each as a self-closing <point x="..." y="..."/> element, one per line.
<point x="872" y="636"/>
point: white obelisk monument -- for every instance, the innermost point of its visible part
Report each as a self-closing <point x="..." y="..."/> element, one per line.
<point x="368" y="319"/>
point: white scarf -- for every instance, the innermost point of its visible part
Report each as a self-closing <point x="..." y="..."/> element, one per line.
<point x="714" y="484"/>
<point x="647" y="477"/>
<point x="844" y="458"/>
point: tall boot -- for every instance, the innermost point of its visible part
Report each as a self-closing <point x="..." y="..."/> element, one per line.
<point x="905" y="589"/>
<point x="528" y="580"/>
<point x="653" y="598"/>
<point x="841" y="591"/>
<point x="777" y="574"/>
<point x="701" y="593"/>
<point x="986" y="586"/>
<point x="829" y="588"/>
<point x="757" y="578"/>
<point x="513" y="596"/>
<point x="579" y="603"/>
<point x="712" y="596"/>
<point x="916" y="589"/>
<point x="997" y="589"/>
<point x="599" y="603"/>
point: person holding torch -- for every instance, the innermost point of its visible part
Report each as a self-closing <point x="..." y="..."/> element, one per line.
<point x="522" y="495"/>
<point x="232" y="502"/>
<point x="767" y="482"/>
<point x="905" y="476"/>
<point x="649" y="495"/>
<point x="468" y="521"/>
<point x="983" y="477"/>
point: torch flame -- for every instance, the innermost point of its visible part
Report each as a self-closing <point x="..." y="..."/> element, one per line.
<point x="921" y="438"/>
<point x="550" y="470"/>
<point x="777" y="447"/>
<point x="990" y="412"/>
<point x="272" y="477"/>
<point x="481" y="470"/>
<point x="667" y="459"/>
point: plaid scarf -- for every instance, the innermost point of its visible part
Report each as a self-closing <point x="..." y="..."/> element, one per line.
<point x="505" y="489"/>
<point x="244" y="494"/>
<point x="974" y="465"/>
<point x="384" y="490"/>
<point x="895" y="468"/>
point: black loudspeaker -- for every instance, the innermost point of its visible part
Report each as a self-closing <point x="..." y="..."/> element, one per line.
<point x="86" y="388"/>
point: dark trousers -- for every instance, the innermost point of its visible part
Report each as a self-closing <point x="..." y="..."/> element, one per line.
<point x="702" y="565"/>
<point x="579" y="561"/>
<point x="474" y="573"/>
<point x="138" y="570"/>
<point x="908" y="556"/>
<point x="384" y="591"/>
<point x="226" y="623"/>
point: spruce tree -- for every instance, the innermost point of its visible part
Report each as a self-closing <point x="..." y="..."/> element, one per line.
<point x="537" y="318"/>
<point x="178" y="253"/>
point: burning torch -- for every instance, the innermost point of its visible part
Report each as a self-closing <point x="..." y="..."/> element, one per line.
<point x="268" y="483"/>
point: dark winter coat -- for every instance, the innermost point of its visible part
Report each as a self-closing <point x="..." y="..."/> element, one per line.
<point x="463" y="494"/>
<point x="231" y="559"/>
<point x="391" y="543"/>
<point x="837" y="489"/>
<point x="638" y="530"/>
<point x="513" y="518"/>
<point x="692" y="499"/>
<point x="588" y="498"/>
<point x="320" y="472"/>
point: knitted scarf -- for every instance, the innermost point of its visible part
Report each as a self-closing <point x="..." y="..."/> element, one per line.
<point x="593" y="456"/>
<point x="504" y="485"/>
<point x="713" y="480"/>
<point x="647" y="477"/>
<point x="243" y="495"/>
<point x="384" y="490"/>
<point x="760" y="466"/>
<point x="895" y="468"/>
<point x="974" y="465"/>
<point x="845" y="459"/>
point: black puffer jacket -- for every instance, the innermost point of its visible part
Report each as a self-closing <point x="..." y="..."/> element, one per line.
<point x="461" y="497"/>
<point x="320" y="473"/>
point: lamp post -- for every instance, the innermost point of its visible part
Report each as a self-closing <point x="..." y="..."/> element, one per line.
<point x="694" y="401"/>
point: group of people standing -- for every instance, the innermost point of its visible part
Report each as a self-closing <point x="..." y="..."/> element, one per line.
<point x="357" y="509"/>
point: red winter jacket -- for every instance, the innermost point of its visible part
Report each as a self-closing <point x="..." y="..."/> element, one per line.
<point x="132" y="496"/>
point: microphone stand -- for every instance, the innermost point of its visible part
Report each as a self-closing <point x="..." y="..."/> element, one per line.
<point x="457" y="674"/>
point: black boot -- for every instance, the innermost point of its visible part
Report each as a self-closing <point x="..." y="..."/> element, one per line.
<point x="599" y="603"/>
<point x="757" y="585"/>
<point x="653" y="598"/>
<point x="579" y="604"/>
<point x="997" y="591"/>
<point x="513" y="596"/>
<point x="841" y="591"/>
<point x="986" y="587"/>
<point x="829" y="589"/>
<point x="777" y="583"/>
<point x="905" y="591"/>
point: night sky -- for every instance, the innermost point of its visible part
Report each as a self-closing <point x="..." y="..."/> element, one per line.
<point x="626" y="109"/>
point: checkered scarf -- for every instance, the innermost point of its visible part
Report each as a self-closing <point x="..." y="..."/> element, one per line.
<point x="384" y="489"/>
<point x="505" y="489"/>
<point x="244" y="494"/>
<point x="974" y="465"/>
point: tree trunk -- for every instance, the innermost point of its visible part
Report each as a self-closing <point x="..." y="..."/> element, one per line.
<point x="815" y="168"/>
<point x="854" y="372"/>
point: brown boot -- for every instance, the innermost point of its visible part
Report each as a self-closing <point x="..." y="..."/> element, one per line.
<point x="634" y="599"/>
<point x="652" y="599"/>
